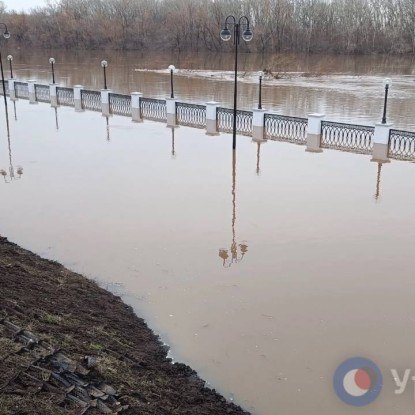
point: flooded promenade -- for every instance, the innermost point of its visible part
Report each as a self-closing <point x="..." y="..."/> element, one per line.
<point x="263" y="270"/>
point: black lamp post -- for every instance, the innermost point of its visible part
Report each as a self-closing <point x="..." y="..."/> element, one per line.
<point x="226" y="35"/>
<point x="104" y="65"/>
<point x="172" y="68"/>
<point x="10" y="59"/>
<point x="387" y="82"/>
<point x="52" y="63"/>
<point x="260" y="76"/>
<point x="6" y="35"/>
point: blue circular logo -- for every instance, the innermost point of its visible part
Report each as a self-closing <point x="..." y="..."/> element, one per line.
<point x="358" y="381"/>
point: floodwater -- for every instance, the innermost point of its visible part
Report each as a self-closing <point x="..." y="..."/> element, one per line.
<point x="348" y="89"/>
<point x="263" y="271"/>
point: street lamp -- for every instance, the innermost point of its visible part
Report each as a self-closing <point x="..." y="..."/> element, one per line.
<point x="52" y="63"/>
<point x="10" y="59"/>
<point x="172" y="68"/>
<point x="387" y="82"/>
<point x="226" y="35"/>
<point x="260" y="76"/>
<point x="104" y="65"/>
<point x="6" y="35"/>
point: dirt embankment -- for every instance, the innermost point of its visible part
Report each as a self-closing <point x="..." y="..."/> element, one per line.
<point x="70" y="347"/>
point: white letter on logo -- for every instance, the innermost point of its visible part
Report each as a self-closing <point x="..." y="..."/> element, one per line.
<point x="401" y="384"/>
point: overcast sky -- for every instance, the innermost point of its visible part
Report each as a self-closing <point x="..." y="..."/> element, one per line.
<point x="23" y="4"/>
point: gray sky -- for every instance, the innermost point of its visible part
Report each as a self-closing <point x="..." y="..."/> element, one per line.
<point x="23" y="4"/>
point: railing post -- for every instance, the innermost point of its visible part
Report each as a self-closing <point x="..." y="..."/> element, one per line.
<point x="171" y="112"/>
<point x="53" y="95"/>
<point x="380" y="152"/>
<point x="32" y="91"/>
<point x="77" y="96"/>
<point x="258" y="121"/>
<point x="211" y="121"/>
<point x="135" y="106"/>
<point x="314" y="133"/>
<point x="12" y="90"/>
<point x="105" y="102"/>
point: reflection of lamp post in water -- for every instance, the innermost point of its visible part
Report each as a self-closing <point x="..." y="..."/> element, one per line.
<point x="236" y="250"/>
<point x="258" y="157"/>
<point x="6" y="35"/>
<point x="378" y="177"/>
<point x="108" y="127"/>
<point x="173" y="150"/>
<point x="8" y="177"/>
<point x="14" y="107"/>
<point x="56" y="118"/>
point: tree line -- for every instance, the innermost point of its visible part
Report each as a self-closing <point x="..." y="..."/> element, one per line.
<point x="311" y="26"/>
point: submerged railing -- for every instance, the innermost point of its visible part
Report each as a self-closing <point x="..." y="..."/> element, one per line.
<point x="402" y="145"/>
<point x="65" y="96"/>
<point x="347" y="137"/>
<point x="192" y="115"/>
<point x="120" y="104"/>
<point x="292" y="129"/>
<point x="258" y="124"/>
<point x="21" y="90"/>
<point x="225" y="121"/>
<point x="153" y="109"/>
<point x="91" y="100"/>
<point x="42" y="93"/>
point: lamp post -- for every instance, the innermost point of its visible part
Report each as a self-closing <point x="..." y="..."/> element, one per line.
<point x="226" y="35"/>
<point x="387" y="82"/>
<point x="10" y="59"/>
<point x="6" y="35"/>
<point x="260" y="76"/>
<point x="104" y="65"/>
<point x="52" y="63"/>
<point x="172" y="68"/>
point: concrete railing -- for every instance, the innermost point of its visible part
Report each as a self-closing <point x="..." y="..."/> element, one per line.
<point x="314" y="132"/>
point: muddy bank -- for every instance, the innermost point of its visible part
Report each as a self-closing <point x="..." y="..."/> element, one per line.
<point x="70" y="347"/>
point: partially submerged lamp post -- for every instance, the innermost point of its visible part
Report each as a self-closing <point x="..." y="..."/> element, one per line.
<point x="6" y="35"/>
<point x="10" y="59"/>
<point x="226" y="35"/>
<point x="260" y="76"/>
<point x="52" y="63"/>
<point x="387" y="82"/>
<point x="104" y="65"/>
<point x="172" y="68"/>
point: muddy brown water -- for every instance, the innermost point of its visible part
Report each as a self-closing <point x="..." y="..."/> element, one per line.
<point x="263" y="274"/>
